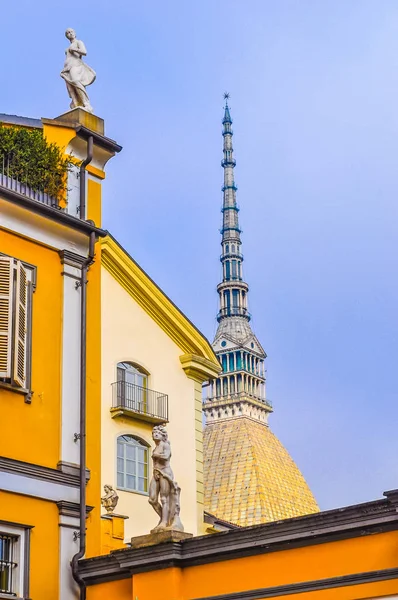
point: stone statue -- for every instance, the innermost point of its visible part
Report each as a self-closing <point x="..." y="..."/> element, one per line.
<point x="110" y="499"/>
<point x="163" y="484"/>
<point x="76" y="73"/>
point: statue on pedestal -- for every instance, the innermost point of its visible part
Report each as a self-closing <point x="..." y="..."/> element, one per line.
<point x="110" y="500"/>
<point x="163" y="485"/>
<point x="76" y="73"/>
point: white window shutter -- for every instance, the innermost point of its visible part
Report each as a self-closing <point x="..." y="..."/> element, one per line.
<point x="21" y="320"/>
<point x="6" y="301"/>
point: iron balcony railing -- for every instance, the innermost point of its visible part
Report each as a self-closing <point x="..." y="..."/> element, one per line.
<point x="233" y="312"/>
<point x="231" y="255"/>
<point x="140" y="400"/>
<point x="228" y="162"/>
<point x="22" y="187"/>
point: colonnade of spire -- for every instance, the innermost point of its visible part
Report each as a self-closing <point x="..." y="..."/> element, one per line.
<point x="240" y="388"/>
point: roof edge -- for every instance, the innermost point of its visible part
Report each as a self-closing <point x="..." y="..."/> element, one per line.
<point x="155" y="302"/>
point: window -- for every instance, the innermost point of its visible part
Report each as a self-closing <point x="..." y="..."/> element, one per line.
<point x="16" y="288"/>
<point x="14" y="561"/>
<point x="132" y="385"/>
<point x="132" y="464"/>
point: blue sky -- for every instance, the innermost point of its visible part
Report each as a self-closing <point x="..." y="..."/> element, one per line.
<point x="314" y="98"/>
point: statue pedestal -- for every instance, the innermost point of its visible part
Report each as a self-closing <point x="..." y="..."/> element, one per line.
<point x="80" y="116"/>
<point x="159" y="537"/>
<point x="112" y="532"/>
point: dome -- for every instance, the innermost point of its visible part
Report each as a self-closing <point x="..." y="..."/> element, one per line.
<point x="249" y="477"/>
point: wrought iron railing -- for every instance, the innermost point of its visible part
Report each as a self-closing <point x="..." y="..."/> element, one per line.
<point x="233" y="311"/>
<point x="7" y="565"/>
<point x="231" y="255"/>
<point x="141" y="400"/>
<point x="21" y="186"/>
<point x="228" y="162"/>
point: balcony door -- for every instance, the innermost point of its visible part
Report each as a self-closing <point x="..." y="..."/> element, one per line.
<point x="132" y="384"/>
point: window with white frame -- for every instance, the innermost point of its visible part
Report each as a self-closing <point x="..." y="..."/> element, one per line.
<point x="14" y="561"/>
<point x="132" y="464"/>
<point x="132" y="384"/>
<point x="17" y="281"/>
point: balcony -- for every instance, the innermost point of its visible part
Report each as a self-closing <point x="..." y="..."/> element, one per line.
<point x="136" y="402"/>
<point x="228" y="162"/>
<point x="233" y="311"/>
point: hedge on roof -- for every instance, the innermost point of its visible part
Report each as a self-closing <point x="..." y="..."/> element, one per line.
<point x="28" y="157"/>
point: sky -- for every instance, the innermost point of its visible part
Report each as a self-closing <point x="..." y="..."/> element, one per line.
<point x="314" y="99"/>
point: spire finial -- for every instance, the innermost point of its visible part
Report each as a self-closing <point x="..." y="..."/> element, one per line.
<point x="226" y="98"/>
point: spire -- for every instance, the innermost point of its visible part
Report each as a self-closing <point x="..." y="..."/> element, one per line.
<point x="240" y="389"/>
<point x="232" y="290"/>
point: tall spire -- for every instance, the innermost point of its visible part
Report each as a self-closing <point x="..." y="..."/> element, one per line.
<point x="232" y="290"/>
<point x="240" y="389"/>
<point x="249" y="477"/>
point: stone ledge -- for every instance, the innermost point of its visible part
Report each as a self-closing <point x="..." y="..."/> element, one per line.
<point x="160" y="537"/>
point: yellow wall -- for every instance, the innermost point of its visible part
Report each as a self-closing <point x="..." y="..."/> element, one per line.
<point x="359" y="555"/>
<point x="32" y="432"/>
<point x="130" y="334"/>
<point x="44" y="554"/>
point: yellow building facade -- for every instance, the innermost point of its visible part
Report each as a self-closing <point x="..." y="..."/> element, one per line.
<point x="344" y="554"/>
<point x="49" y="316"/>
<point x="154" y="362"/>
<point x="84" y="334"/>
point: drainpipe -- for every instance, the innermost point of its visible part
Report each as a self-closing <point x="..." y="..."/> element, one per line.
<point x="82" y="434"/>
<point x="83" y="372"/>
<point x="87" y="160"/>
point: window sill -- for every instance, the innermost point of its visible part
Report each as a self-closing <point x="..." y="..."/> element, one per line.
<point x="131" y="492"/>
<point x="28" y="399"/>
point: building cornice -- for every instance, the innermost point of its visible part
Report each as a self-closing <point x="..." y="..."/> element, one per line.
<point x="49" y="212"/>
<point x="334" y="525"/>
<point x="159" y="307"/>
<point x="199" y="369"/>
<point x="64" y="476"/>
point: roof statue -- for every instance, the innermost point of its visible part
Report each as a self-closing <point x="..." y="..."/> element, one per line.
<point x="249" y="476"/>
<point x="163" y="485"/>
<point x="76" y="73"/>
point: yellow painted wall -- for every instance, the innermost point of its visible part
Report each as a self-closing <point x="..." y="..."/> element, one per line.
<point x="94" y="191"/>
<point x="116" y="590"/>
<point x="32" y="432"/>
<point x="44" y="554"/>
<point x="130" y="334"/>
<point x="310" y="563"/>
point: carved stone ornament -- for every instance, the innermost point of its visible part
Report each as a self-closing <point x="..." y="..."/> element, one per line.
<point x="76" y="73"/>
<point x="163" y="485"/>
<point x="110" y="500"/>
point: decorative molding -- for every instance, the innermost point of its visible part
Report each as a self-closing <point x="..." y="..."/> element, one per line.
<point x="309" y="586"/>
<point x="334" y="525"/>
<point x="64" y="477"/>
<point x="155" y="303"/>
<point x="54" y="214"/>
<point x="199" y="369"/>
<point x="71" y="509"/>
<point x="72" y="259"/>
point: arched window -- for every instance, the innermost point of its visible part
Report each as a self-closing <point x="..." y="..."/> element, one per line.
<point x="132" y="464"/>
<point x="132" y="384"/>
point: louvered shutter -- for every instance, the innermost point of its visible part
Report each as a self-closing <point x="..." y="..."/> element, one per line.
<point x="6" y="301"/>
<point x="21" y="316"/>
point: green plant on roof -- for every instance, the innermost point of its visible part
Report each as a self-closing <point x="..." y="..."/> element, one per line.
<point x="28" y="157"/>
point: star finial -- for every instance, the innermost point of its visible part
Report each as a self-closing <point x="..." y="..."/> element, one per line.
<point x="226" y="97"/>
